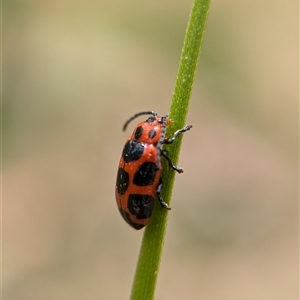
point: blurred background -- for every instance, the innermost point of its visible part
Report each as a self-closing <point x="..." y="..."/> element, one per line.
<point x="73" y="72"/>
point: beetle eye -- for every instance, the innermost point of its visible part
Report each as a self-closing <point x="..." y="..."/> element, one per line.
<point x="151" y="119"/>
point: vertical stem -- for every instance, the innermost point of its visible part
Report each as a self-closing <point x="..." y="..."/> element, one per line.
<point x="150" y="254"/>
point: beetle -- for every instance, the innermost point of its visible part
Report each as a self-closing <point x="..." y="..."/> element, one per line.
<point x="139" y="173"/>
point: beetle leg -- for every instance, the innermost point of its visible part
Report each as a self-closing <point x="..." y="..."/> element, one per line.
<point x="158" y="192"/>
<point x="176" y="134"/>
<point x="164" y="153"/>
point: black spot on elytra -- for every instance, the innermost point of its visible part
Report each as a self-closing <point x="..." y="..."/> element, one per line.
<point x="145" y="174"/>
<point x="122" y="181"/>
<point x="132" y="151"/>
<point x="138" y="132"/>
<point x="140" y="206"/>
<point x="152" y="134"/>
<point x="126" y="217"/>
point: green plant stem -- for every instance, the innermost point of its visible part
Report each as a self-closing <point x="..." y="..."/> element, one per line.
<point x="148" y="263"/>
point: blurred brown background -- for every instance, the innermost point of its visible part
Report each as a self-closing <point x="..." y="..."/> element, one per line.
<point x="73" y="72"/>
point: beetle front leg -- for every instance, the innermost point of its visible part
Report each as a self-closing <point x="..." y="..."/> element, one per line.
<point x="176" y="134"/>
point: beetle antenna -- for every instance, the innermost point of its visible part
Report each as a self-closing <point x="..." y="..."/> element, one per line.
<point x="161" y="140"/>
<point x="148" y="112"/>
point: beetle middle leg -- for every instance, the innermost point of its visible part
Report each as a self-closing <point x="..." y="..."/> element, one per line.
<point x="164" y="153"/>
<point x="158" y="192"/>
